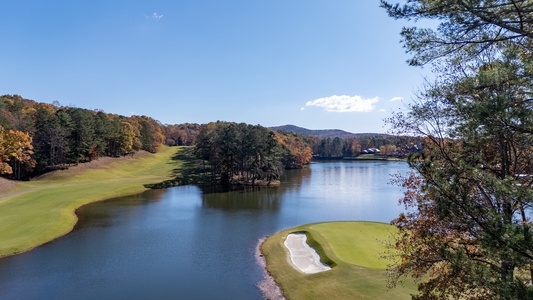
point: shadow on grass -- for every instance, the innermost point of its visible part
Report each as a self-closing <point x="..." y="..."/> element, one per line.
<point x="189" y="170"/>
<point x="313" y="243"/>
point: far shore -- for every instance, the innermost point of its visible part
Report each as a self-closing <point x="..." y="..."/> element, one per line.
<point x="359" y="158"/>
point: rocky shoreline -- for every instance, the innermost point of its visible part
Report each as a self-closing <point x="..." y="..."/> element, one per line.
<point x="268" y="285"/>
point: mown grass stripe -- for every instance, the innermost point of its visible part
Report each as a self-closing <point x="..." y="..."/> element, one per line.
<point x="42" y="210"/>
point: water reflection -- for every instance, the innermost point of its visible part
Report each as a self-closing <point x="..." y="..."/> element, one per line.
<point x="294" y="179"/>
<point x="186" y="243"/>
<point x="249" y="199"/>
<point x="254" y="198"/>
<point x="103" y="214"/>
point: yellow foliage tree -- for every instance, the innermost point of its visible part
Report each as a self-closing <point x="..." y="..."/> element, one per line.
<point x="15" y="151"/>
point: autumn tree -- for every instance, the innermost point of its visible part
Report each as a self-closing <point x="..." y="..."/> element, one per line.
<point x="387" y="149"/>
<point x="467" y="231"/>
<point x="181" y="134"/>
<point x="125" y="138"/>
<point x="5" y="168"/>
<point x="13" y="113"/>
<point x="16" y="152"/>
<point x="297" y="153"/>
<point x="62" y="135"/>
<point x="149" y="133"/>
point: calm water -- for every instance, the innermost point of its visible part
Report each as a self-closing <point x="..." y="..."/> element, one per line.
<point x="183" y="243"/>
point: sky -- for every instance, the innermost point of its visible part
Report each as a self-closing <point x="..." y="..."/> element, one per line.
<point x="318" y="64"/>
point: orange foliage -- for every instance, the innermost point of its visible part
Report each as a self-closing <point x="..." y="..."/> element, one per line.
<point x="300" y="152"/>
<point x="15" y="148"/>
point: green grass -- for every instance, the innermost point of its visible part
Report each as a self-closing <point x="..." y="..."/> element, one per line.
<point x="359" y="244"/>
<point x="353" y="248"/>
<point x="39" y="211"/>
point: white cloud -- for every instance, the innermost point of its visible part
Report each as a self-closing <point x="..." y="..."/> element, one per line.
<point x="154" y="16"/>
<point x="382" y="110"/>
<point x="344" y="103"/>
<point x="396" y="99"/>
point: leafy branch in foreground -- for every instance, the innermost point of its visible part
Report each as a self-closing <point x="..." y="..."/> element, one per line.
<point x="467" y="229"/>
<point x="467" y="26"/>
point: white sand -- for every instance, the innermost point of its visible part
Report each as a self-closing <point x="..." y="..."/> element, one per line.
<point x="303" y="257"/>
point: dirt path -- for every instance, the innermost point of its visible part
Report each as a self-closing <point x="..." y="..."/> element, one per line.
<point x="6" y="185"/>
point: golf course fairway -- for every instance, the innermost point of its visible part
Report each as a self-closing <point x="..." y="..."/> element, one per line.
<point x="352" y="249"/>
<point x="38" y="211"/>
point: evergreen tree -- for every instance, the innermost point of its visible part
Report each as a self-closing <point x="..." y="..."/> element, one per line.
<point x="467" y="232"/>
<point x="239" y="153"/>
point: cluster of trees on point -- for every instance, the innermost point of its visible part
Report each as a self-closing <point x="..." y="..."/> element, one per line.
<point x="467" y="232"/>
<point x="238" y="153"/>
<point x="39" y="137"/>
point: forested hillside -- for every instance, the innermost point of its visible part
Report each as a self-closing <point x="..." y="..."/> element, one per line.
<point x="39" y="137"/>
<point x="324" y="133"/>
<point x="335" y="143"/>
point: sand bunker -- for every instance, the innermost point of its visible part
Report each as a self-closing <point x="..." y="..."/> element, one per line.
<point x="303" y="257"/>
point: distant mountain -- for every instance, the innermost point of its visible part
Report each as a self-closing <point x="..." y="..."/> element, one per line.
<point x="323" y="133"/>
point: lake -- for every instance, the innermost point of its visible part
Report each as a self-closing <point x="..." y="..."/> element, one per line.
<point x="185" y="243"/>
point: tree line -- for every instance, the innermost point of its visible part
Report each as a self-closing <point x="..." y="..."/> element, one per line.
<point x="388" y="145"/>
<point x="39" y="137"/>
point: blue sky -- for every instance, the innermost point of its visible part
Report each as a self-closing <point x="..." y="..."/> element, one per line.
<point x="312" y="63"/>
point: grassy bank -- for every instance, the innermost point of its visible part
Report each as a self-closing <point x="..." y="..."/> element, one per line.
<point x="38" y="211"/>
<point x="353" y="248"/>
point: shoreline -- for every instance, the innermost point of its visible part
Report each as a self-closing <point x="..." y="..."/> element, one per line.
<point x="268" y="285"/>
<point x="49" y="203"/>
<point x="73" y="214"/>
